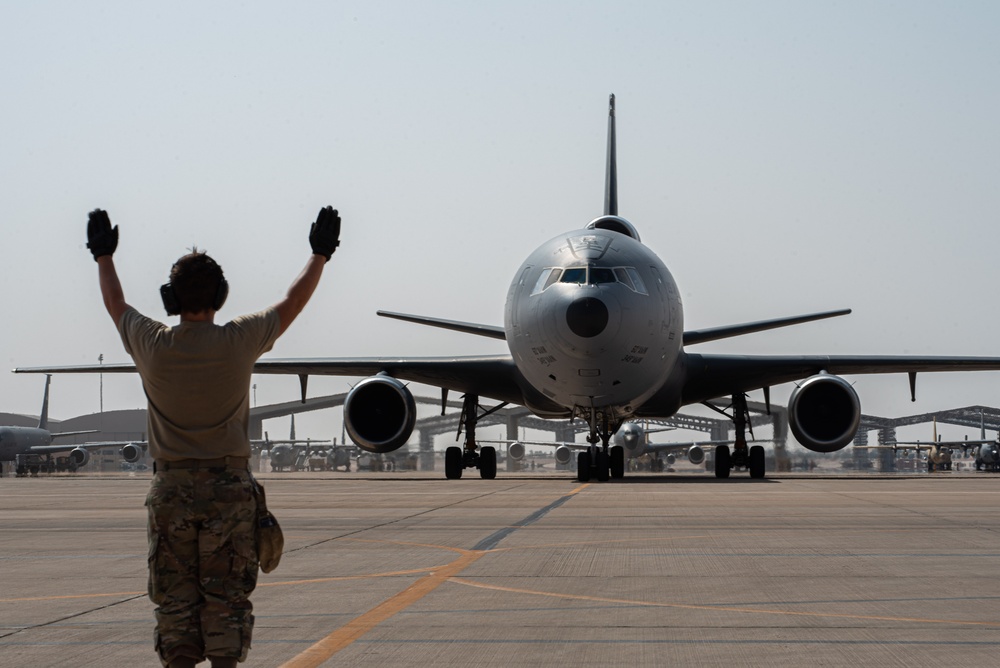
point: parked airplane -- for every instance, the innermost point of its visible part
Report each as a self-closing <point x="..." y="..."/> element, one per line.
<point x="595" y="328"/>
<point x="16" y="441"/>
<point x="939" y="452"/>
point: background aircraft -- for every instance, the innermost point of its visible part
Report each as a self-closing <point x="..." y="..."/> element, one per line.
<point x="16" y="441"/>
<point x="595" y="330"/>
<point x="939" y="452"/>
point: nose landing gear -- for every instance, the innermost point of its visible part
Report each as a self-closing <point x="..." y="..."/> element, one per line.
<point x="600" y="461"/>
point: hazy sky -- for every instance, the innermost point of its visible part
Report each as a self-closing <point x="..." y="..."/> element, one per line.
<point x="781" y="157"/>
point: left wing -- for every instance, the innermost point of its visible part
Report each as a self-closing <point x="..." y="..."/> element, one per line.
<point x="710" y="376"/>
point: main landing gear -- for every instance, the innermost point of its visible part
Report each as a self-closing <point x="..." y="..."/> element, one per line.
<point x="457" y="459"/>
<point x="750" y="458"/>
<point x="600" y="461"/>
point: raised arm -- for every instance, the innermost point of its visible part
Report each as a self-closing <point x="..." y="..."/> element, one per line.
<point x="324" y="237"/>
<point x="102" y="240"/>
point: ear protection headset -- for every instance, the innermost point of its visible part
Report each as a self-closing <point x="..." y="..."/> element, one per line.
<point x="173" y="306"/>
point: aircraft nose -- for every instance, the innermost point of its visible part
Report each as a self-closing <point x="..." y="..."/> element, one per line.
<point x="587" y="317"/>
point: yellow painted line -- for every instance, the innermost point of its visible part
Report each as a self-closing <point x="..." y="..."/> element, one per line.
<point x="347" y="634"/>
<point x="717" y="608"/>
<point x="341" y="578"/>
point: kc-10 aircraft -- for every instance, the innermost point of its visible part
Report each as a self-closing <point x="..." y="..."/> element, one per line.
<point x="594" y="325"/>
<point x="16" y="441"/>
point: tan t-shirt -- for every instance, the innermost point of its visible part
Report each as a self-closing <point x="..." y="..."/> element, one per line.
<point x="196" y="376"/>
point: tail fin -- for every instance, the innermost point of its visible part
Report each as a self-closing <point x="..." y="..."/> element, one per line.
<point x="43" y="420"/>
<point x="611" y="175"/>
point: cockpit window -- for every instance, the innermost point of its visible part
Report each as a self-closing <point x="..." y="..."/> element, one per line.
<point x="623" y="278"/>
<point x="549" y="276"/>
<point x="574" y="275"/>
<point x="640" y="287"/>
<point x="601" y="275"/>
<point x="589" y="275"/>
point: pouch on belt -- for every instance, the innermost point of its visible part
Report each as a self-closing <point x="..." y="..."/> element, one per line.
<point x="270" y="540"/>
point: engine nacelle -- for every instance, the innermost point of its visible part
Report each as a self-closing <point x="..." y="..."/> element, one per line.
<point x="79" y="456"/>
<point x="379" y="414"/>
<point x="563" y="455"/>
<point x="131" y="453"/>
<point x="824" y="413"/>
<point x="696" y="455"/>
<point x="516" y="451"/>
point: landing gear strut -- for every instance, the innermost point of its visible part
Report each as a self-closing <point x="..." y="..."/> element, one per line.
<point x="457" y="459"/>
<point x="750" y="458"/>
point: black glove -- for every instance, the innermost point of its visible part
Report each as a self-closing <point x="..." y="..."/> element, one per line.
<point x="324" y="235"/>
<point x="102" y="239"/>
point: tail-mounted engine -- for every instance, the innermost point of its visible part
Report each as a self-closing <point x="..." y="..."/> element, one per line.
<point x="379" y="414"/>
<point x="824" y="413"/>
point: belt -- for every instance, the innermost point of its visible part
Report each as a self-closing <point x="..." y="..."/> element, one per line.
<point x="201" y="464"/>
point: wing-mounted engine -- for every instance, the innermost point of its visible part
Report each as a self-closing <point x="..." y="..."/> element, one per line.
<point x="131" y="453"/>
<point x="515" y="451"/>
<point x="824" y="413"/>
<point x="379" y="414"/>
<point x="79" y="456"/>
<point x="563" y="455"/>
<point x="696" y="455"/>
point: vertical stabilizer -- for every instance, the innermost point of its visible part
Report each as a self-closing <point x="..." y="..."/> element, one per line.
<point x="611" y="176"/>
<point x="43" y="420"/>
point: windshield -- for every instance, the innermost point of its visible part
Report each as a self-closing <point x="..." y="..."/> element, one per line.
<point x="589" y="275"/>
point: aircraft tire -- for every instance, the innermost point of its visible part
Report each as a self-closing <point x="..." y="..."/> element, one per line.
<point x="583" y="467"/>
<point x="722" y="461"/>
<point x="603" y="471"/>
<point x="757" y="461"/>
<point x="453" y="463"/>
<point x="617" y="462"/>
<point x="488" y="462"/>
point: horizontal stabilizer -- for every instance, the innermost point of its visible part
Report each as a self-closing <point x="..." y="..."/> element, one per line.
<point x="715" y="333"/>
<point x="466" y="327"/>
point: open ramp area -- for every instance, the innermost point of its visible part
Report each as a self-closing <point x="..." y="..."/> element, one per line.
<point x="412" y="570"/>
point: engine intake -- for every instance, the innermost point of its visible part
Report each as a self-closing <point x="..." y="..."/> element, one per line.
<point x="379" y="414"/>
<point x="131" y="453"/>
<point x="563" y="455"/>
<point x="79" y="456"/>
<point x="516" y="451"/>
<point x="824" y="413"/>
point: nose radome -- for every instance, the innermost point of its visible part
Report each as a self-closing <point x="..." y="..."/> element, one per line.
<point x="587" y="317"/>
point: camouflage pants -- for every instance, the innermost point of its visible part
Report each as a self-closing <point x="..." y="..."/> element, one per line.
<point x="202" y="562"/>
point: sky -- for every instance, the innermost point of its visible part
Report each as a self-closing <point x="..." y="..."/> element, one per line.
<point x="780" y="157"/>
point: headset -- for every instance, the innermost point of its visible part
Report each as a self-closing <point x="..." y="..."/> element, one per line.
<point x="173" y="306"/>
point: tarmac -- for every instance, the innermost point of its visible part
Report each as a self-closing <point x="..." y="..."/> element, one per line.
<point x="409" y="569"/>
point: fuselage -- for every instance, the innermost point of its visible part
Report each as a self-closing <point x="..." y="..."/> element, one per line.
<point x="19" y="440"/>
<point x="594" y="321"/>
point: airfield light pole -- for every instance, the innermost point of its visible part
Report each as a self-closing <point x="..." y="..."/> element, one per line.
<point x="100" y="360"/>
